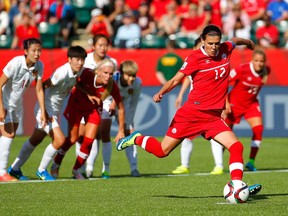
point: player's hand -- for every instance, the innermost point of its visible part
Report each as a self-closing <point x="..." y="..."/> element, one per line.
<point x="94" y="99"/>
<point x="120" y="135"/>
<point x="178" y="102"/>
<point x="43" y="120"/>
<point x="112" y="112"/>
<point x="157" y="98"/>
<point x="2" y="116"/>
<point x="251" y="45"/>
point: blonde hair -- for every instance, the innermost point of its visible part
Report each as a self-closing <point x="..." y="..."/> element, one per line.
<point x="129" y="67"/>
<point x="108" y="88"/>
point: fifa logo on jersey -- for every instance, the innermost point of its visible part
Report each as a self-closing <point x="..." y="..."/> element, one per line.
<point x="224" y="56"/>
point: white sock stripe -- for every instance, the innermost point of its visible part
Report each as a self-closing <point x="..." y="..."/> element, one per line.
<point x="82" y="155"/>
<point x="144" y="142"/>
<point x="235" y="166"/>
<point x="255" y="143"/>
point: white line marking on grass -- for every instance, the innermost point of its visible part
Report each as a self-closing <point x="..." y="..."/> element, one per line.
<point x="144" y="176"/>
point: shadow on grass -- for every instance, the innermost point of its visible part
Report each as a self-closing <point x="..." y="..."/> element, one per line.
<point x="257" y="197"/>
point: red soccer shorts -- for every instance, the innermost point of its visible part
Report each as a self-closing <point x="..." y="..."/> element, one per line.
<point x="190" y="123"/>
<point x="74" y="116"/>
<point x="235" y="116"/>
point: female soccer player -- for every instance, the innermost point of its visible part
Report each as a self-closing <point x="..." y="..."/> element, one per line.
<point x="17" y="76"/>
<point x="57" y="88"/>
<point x="100" y="46"/>
<point x="201" y="113"/>
<point x="86" y="100"/>
<point x="248" y="79"/>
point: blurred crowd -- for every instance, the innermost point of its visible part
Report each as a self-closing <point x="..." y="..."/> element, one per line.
<point x="127" y="22"/>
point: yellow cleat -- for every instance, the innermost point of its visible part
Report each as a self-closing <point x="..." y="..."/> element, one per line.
<point x="217" y="171"/>
<point x="181" y="170"/>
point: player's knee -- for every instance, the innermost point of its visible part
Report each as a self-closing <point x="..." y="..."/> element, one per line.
<point x="80" y="139"/>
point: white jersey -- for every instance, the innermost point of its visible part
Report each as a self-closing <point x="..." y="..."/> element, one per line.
<point x="63" y="80"/>
<point x="130" y="96"/>
<point x="90" y="63"/>
<point x="20" y="78"/>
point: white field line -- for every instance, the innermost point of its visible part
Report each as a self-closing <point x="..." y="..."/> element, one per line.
<point x="144" y="176"/>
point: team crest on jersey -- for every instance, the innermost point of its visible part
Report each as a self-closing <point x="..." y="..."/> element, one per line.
<point x="130" y="91"/>
<point x="224" y="56"/>
<point x="249" y="78"/>
<point x="184" y="65"/>
<point x="174" y="130"/>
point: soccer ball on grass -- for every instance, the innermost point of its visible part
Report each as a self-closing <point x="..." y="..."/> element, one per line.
<point x="236" y="191"/>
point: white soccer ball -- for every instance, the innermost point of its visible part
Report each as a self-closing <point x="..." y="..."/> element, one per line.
<point x="236" y="191"/>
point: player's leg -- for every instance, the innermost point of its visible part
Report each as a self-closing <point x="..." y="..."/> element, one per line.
<point x="58" y="140"/>
<point x="8" y="132"/>
<point x="91" y="129"/>
<point x="235" y="147"/>
<point x="217" y="152"/>
<point x="131" y="153"/>
<point x="257" y="130"/>
<point x="185" y="153"/>
<point x="27" y="148"/>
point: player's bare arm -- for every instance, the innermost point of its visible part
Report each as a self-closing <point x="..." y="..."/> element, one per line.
<point x="121" y="119"/>
<point x="41" y="100"/>
<point x="241" y="41"/>
<point x="3" y="81"/>
<point x="168" y="86"/>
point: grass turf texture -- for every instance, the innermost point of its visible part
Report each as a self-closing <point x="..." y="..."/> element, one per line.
<point x="156" y="192"/>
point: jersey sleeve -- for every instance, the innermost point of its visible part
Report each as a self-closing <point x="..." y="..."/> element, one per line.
<point x="10" y="69"/>
<point x="189" y="66"/>
<point x="57" y="77"/>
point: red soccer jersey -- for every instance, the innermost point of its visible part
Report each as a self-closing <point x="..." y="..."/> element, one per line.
<point x="210" y="77"/>
<point x="80" y="100"/>
<point x="247" y="85"/>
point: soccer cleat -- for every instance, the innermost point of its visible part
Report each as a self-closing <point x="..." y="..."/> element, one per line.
<point x="88" y="173"/>
<point x="17" y="174"/>
<point x="217" y="171"/>
<point x="105" y="175"/>
<point x="254" y="189"/>
<point x="135" y="173"/>
<point x="7" y="178"/>
<point x="250" y="166"/>
<point x="77" y="174"/>
<point x="54" y="170"/>
<point x="181" y="170"/>
<point x="127" y="141"/>
<point x="44" y="175"/>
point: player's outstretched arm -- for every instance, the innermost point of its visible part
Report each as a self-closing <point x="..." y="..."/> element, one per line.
<point x="168" y="86"/>
<point x="241" y="41"/>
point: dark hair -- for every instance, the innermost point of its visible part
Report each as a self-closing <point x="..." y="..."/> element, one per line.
<point x="28" y="42"/>
<point x="197" y="41"/>
<point x="76" y="52"/>
<point x="98" y="36"/>
<point x="211" y="30"/>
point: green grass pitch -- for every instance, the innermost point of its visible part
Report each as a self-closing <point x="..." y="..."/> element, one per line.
<point x="156" y="192"/>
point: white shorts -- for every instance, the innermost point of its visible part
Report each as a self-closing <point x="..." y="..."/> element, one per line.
<point x="49" y="126"/>
<point x="106" y="108"/>
<point x="14" y="114"/>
